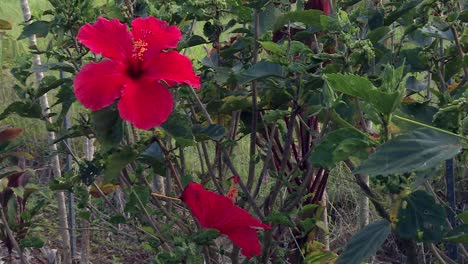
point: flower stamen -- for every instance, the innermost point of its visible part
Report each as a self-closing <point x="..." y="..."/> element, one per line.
<point x="139" y="48"/>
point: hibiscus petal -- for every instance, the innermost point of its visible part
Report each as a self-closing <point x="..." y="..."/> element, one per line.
<point x="156" y="33"/>
<point x="247" y="239"/>
<point x="172" y="67"/>
<point x="145" y="103"/>
<point x="98" y="85"/>
<point x="216" y="211"/>
<point x="109" y="37"/>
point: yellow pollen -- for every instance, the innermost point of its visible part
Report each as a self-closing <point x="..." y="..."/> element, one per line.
<point x="139" y="48"/>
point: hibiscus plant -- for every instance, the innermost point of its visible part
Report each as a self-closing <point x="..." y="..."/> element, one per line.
<point x="214" y="129"/>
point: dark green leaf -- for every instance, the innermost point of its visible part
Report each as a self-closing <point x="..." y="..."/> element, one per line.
<point x="31" y="242"/>
<point x="403" y="9"/>
<point x="49" y="82"/>
<point x="40" y="28"/>
<point x="260" y="70"/>
<point x="365" y="243"/>
<point x="117" y="161"/>
<point x="26" y="108"/>
<point x="463" y="17"/>
<point x="378" y="34"/>
<point x="194" y="40"/>
<point x="417" y="150"/>
<point x="108" y="127"/>
<point x="458" y="235"/>
<point x="235" y="103"/>
<point x="117" y="219"/>
<point x="463" y="216"/>
<point x="339" y="145"/>
<point x="57" y="66"/>
<point x="154" y="156"/>
<point x="214" y="132"/>
<point x="206" y="237"/>
<point x="420" y="218"/>
<point x="178" y="126"/>
<point x="310" y="18"/>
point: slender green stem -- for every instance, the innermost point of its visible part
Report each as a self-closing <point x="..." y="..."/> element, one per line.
<point x="428" y="126"/>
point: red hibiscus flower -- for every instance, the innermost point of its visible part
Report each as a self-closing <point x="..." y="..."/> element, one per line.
<point x="138" y="69"/>
<point x="323" y="5"/>
<point x="219" y="212"/>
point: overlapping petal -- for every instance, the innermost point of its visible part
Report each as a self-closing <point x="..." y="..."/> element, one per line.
<point x="216" y="211"/>
<point x="110" y="38"/>
<point x="145" y="103"/>
<point x="156" y="33"/>
<point x="172" y="67"/>
<point x="98" y="85"/>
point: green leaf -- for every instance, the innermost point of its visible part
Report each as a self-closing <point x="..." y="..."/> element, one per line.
<point x="463" y="216"/>
<point x="273" y="116"/>
<point x="31" y="242"/>
<point x="108" y="127"/>
<point x="458" y="235"/>
<point x="39" y="28"/>
<point x="463" y="17"/>
<point x="402" y="10"/>
<point x="117" y="161"/>
<point x="178" y="126"/>
<point x="417" y="150"/>
<point x="57" y="66"/>
<point x="194" y="40"/>
<point x="205" y="237"/>
<point x="272" y="47"/>
<point x="378" y="34"/>
<point x="27" y="108"/>
<point x="391" y="78"/>
<point x="280" y="219"/>
<point x="365" y="243"/>
<point x="414" y="85"/>
<point x="432" y="31"/>
<point x="385" y="102"/>
<point x="154" y="156"/>
<point x="310" y="18"/>
<point x="214" y="132"/>
<point x="339" y="145"/>
<point x="235" y="103"/>
<point x="5" y="25"/>
<point x="260" y="70"/>
<point x="117" y="219"/>
<point x="420" y="218"/>
<point x="50" y="82"/>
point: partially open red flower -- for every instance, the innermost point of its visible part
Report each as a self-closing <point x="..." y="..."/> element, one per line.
<point x="323" y="5"/>
<point x="138" y="68"/>
<point x="219" y="212"/>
